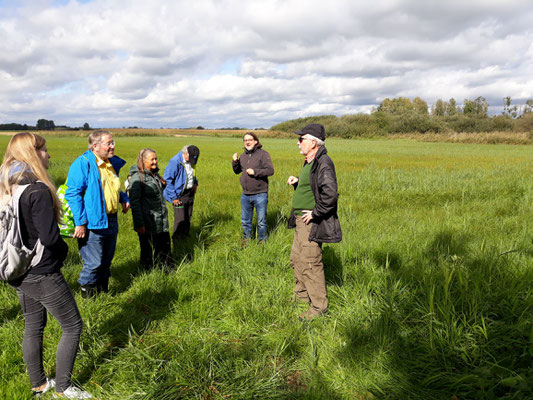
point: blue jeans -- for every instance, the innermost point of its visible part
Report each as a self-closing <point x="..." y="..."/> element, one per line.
<point x="248" y="202"/>
<point x="97" y="250"/>
<point x="38" y="294"/>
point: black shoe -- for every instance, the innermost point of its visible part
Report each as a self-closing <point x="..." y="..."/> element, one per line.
<point x="102" y="287"/>
<point x="88" y="291"/>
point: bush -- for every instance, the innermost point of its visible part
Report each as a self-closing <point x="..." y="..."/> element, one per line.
<point x="502" y="123"/>
<point x="414" y="122"/>
<point x="296" y="124"/>
<point x="468" y="123"/>
<point x="361" y="125"/>
<point x="525" y="124"/>
<point x="382" y="123"/>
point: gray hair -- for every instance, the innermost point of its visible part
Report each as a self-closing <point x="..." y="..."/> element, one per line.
<point x="318" y="141"/>
<point x="95" y="136"/>
<point x="186" y="149"/>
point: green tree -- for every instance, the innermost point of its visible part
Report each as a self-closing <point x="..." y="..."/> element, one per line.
<point x="469" y="107"/>
<point x="482" y="106"/>
<point x="440" y="107"/>
<point x="396" y="106"/>
<point x="452" y="108"/>
<point x="511" y="111"/>
<point x="420" y="106"/>
<point x="477" y="107"/>
<point x="45" y="125"/>
<point x="386" y="106"/>
<point x="86" y="127"/>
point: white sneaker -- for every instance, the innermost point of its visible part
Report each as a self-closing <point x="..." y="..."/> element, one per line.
<point x="50" y="384"/>
<point x="72" y="392"/>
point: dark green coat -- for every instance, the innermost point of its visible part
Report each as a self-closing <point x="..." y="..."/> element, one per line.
<point x="148" y="206"/>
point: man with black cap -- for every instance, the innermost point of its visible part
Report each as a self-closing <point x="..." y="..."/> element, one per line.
<point x="314" y="217"/>
<point x="180" y="176"/>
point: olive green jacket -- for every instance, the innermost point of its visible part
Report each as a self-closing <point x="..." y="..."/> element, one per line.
<point x="148" y="206"/>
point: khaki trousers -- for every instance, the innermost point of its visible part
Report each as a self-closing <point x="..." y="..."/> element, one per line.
<point x="306" y="261"/>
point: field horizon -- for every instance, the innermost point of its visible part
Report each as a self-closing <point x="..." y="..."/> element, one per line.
<point x="497" y="137"/>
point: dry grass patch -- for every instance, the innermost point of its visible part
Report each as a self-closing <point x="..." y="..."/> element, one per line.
<point x="477" y="138"/>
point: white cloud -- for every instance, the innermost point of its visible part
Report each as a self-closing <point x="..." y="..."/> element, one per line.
<point x="254" y="63"/>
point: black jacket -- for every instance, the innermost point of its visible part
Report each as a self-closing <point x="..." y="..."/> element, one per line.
<point x="38" y="222"/>
<point x="326" y="227"/>
<point x="259" y="160"/>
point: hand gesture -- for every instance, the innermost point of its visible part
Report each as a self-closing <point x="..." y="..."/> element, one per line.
<point x="292" y="180"/>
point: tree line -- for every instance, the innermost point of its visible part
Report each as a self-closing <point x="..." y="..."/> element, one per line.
<point x="41" y="125"/>
<point x="403" y="115"/>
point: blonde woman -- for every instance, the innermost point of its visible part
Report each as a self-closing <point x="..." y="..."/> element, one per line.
<point x="43" y="287"/>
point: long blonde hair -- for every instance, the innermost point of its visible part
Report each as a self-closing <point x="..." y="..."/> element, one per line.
<point x="21" y="161"/>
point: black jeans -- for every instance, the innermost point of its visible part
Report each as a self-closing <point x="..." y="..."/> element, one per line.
<point x="155" y="249"/>
<point x="38" y="294"/>
<point x="183" y="215"/>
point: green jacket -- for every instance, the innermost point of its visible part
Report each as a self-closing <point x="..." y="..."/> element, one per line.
<point x="148" y="206"/>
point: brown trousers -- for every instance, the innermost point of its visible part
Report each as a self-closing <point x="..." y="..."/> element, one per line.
<point x="306" y="261"/>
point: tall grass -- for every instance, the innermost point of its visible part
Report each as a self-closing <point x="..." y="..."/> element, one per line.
<point x="430" y="290"/>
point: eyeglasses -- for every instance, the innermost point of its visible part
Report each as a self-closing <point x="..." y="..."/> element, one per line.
<point x="108" y="144"/>
<point x="301" y="139"/>
<point x="248" y="140"/>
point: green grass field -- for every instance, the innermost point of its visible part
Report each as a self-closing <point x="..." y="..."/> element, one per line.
<point x="430" y="291"/>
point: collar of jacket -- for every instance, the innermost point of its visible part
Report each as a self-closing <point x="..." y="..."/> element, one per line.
<point x="182" y="161"/>
<point x="256" y="147"/>
<point x="320" y="152"/>
<point x="115" y="161"/>
<point x="134" y="169"/>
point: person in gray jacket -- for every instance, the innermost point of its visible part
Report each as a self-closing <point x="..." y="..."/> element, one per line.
<point x="149" y="210"/>
<point x="255" y="166"/>
<point x="314" y="217"/>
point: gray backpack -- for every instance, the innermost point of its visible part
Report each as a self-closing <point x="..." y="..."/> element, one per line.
<point x="15" y="258"/>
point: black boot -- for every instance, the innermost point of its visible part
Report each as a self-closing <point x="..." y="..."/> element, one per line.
<point x="88" y="291"/>
<point x="102" y="286"/>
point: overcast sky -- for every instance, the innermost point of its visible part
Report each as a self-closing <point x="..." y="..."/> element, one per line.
<point x="249" y="63"/>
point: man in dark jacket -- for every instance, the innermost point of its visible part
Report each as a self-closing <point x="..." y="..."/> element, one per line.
<point x="314" y="215"/>
<point x="256" y="166"/>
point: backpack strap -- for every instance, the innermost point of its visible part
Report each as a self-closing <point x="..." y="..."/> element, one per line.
<point x="15" y="258"/>
<point x="38" y="250"/>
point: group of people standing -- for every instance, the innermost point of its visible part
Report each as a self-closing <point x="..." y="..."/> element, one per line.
<point x="95" y="197"/>
<point x="313" y="215"/>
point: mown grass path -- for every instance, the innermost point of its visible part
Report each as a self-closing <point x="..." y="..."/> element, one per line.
<point x="430" y="290"/>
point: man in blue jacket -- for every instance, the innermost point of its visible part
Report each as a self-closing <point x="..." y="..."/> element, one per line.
<point x="181" y="187"/>
<point x="94" y="196"/>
